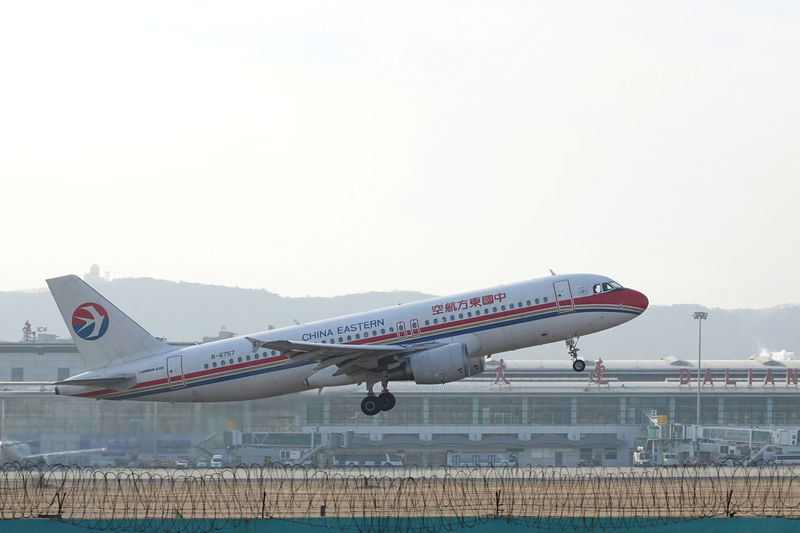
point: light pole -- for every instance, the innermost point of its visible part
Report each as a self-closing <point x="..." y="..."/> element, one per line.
<point x="699" y="316"/>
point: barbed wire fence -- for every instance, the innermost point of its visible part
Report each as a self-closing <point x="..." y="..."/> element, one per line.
<point x="373" y="500"/>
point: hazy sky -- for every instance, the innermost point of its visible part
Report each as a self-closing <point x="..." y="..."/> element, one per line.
<point x="322" y="148"/>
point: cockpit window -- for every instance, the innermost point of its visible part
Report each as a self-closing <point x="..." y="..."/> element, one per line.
<point x="606" y="286"/>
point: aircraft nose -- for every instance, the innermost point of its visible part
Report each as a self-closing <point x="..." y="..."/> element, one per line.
<point x="637" y="299"/>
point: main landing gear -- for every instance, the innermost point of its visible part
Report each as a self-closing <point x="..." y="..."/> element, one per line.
<point x="372" y="404"/>
<point x="572" y="347"/>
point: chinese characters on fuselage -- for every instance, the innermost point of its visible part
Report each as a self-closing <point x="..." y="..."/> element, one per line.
<point x="468" y="303"/>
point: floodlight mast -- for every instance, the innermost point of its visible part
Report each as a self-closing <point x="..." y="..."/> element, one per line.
<point x="699" y="316"/>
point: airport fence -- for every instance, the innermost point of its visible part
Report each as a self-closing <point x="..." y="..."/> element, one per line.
<point x="396" y="499"/>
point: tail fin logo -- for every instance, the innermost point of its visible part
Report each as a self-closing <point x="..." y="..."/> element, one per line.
<point x="90" y="321"/>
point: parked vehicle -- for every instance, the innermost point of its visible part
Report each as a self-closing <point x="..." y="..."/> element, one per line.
<point x="670" y="459"/>
<point x="785" y="459"/>
<point x="468" y="459"/>
<point x="641" y="457"/>
<point x="368" y="459"/>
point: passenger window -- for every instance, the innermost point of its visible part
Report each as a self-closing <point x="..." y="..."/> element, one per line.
<point x="256" y="355"/>
<point x="205" y="365"/>
<point x="503" y="307"/>
<point x="494" y="309"/>
<point x="214" y="364"/>
<point x="358" y="336"/>
<point x="529" y="302"/>
<point x="452" y="317"/>
<point x="435" y="320"/>
<point x="383" y="331"/>
<point x="545" y="299"/>
<point x="374" y="332"/>
<point x="391" y="329"/>
<point x="536" y="300"/>
<point x="469" y="313"/>
<point x="247" y="358"/>
<point x="349" y="337"/>
<point x="240" y="359"/>
<point x="460" y="315"/>
<point x="427" y="322"/>
<point x="511" y="306"/>
<point x="222" y="363"/>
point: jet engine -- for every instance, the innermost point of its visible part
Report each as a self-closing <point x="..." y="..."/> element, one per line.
<point x="441" y="365"/>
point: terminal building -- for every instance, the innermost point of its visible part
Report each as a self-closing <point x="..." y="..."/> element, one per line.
<point x="525" y="412"/>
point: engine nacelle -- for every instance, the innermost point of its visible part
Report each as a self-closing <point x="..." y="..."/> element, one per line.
<point x="442" y="365"/>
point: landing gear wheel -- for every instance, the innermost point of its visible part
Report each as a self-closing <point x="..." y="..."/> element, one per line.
<point x="572" y="347"/>
<point x="370" y="405"/>
<point x="386" y="401"/>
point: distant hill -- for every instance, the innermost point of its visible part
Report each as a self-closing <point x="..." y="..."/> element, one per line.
<point x="183" y="311"/>
<point x="189" y="311"/>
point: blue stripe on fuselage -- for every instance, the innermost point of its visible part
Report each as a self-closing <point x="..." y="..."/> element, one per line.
<point x="218" y="379"/>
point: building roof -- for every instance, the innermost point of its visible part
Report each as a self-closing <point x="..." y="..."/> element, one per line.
<point x="401" y="441"/>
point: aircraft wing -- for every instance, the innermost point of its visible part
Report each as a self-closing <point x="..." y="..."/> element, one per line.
<point x="52" y="455"/>
<point x="349" y="358"/>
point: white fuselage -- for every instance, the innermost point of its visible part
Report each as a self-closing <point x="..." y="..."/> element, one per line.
<point x="489" y="321"/>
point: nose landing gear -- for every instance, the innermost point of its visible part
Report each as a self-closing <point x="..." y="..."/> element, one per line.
<point x="572" y="347"/>
<point x="372" y="404"/>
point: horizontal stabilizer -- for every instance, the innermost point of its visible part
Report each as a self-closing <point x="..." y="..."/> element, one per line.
<point x="115" y="383"/>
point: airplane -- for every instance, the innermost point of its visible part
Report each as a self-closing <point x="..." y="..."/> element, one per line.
<point x="19" y="452"/>
<point x="434" y="341"/>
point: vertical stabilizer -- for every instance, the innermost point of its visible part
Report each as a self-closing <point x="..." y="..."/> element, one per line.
<point x="102" y="333"/>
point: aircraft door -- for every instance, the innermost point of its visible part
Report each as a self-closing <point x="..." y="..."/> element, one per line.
<point x="175" y="372"/>
<point x="563" y="292"/>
